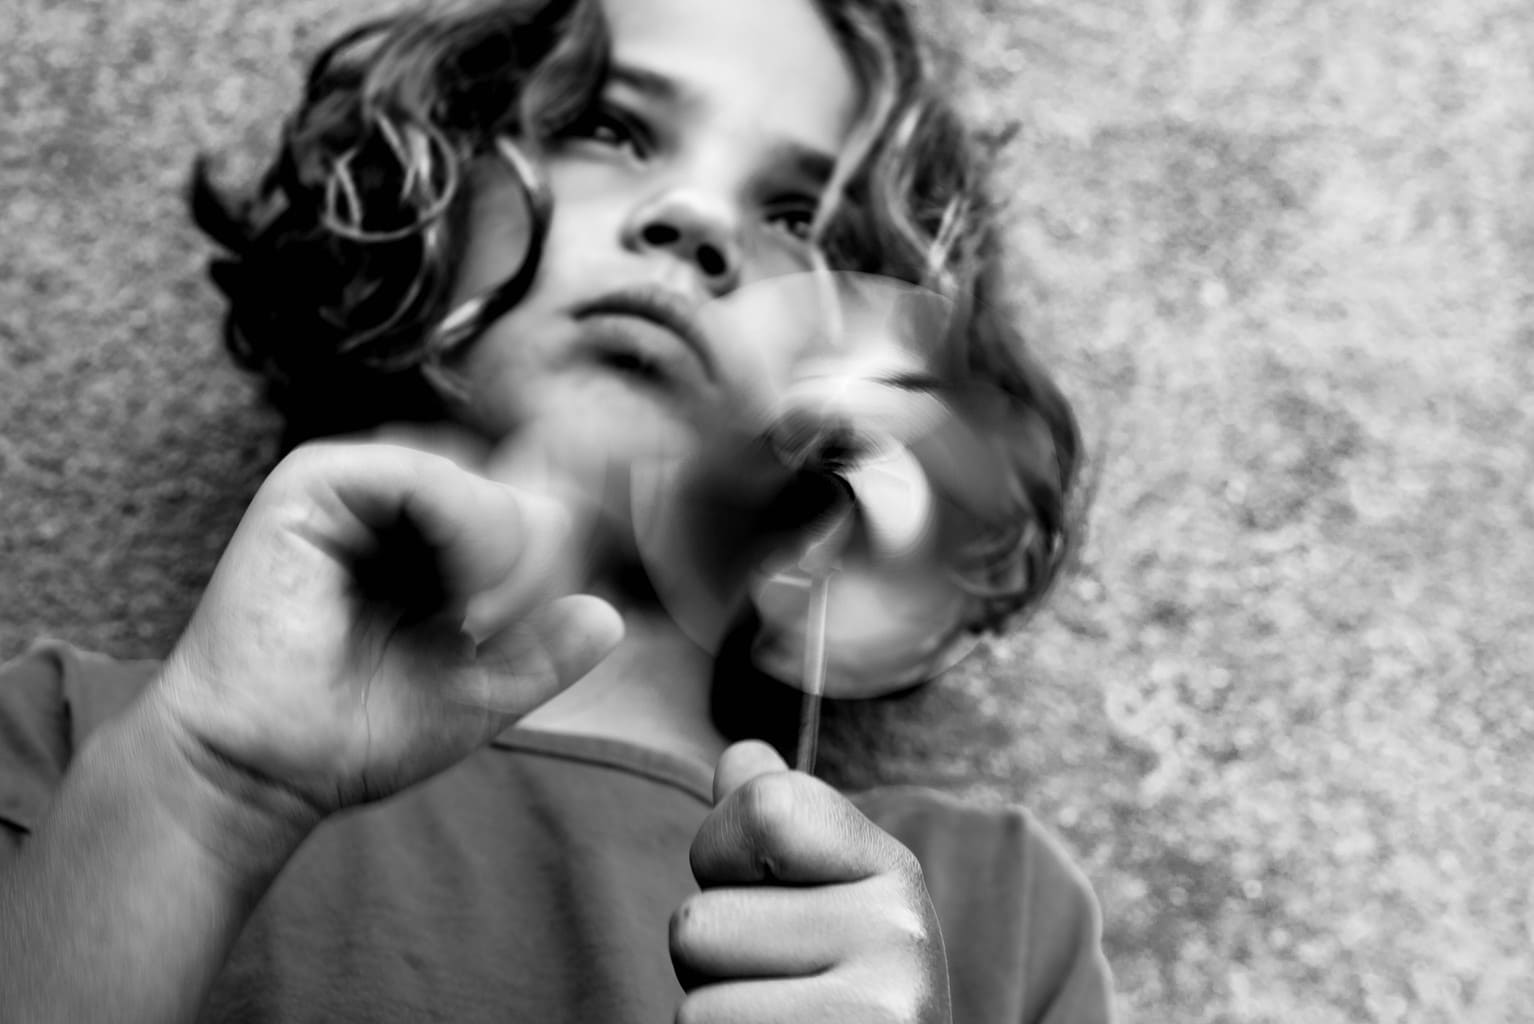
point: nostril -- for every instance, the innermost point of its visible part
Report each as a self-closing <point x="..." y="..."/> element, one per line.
<point x="710" y="257"/>
<point x="711" y="261"/>
<point x="660" y="234"/>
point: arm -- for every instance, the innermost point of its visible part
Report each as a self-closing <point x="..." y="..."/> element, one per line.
<point x="119" y="899"/>
<point x="327" y="664"/>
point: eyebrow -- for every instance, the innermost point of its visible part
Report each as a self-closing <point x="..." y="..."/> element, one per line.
<point x="809" y="164"/>
<point x="914" y="381"/>
<point x="652" y="84"/>
<point x="813" y="165"/>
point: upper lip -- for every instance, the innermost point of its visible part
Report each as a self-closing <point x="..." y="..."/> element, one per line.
<point x="660" y="306"/>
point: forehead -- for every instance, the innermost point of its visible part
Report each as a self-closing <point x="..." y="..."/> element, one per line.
<point x="772" y="65"/>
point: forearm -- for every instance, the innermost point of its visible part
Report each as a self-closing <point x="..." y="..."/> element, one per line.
<point x="125" y="901"/>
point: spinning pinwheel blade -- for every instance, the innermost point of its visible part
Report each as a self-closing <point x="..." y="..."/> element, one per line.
<point x="834" y="492"/>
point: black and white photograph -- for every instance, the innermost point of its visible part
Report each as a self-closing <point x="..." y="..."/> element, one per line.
<point x="744" y="511"/>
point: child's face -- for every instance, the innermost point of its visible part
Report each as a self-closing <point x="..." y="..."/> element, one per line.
<point x="697" y="173"/>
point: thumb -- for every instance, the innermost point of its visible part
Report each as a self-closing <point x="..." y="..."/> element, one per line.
<point x="741" y="763"/>
<point x="534" y="658"/>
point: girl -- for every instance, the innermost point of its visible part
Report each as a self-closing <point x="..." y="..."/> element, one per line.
<point x="540" y="234"/>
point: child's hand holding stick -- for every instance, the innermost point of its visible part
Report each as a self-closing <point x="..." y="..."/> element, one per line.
<point x="808" y="911"/>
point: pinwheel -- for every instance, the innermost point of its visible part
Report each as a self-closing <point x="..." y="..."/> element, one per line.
<point x="839" y="500"/>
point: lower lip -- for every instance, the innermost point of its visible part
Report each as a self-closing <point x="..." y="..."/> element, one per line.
<point x="652" y="345"/>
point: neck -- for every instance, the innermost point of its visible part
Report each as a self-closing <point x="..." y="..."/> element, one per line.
<point x="652" y="691"/>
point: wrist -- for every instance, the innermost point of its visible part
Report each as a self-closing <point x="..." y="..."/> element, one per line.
<point x="144" y="870"/>
<point x="246" y="825"/>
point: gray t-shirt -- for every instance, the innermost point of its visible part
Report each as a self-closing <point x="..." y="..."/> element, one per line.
<point x="535" y="881"/>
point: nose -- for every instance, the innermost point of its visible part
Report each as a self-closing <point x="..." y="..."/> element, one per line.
<point x="695" y="228"/>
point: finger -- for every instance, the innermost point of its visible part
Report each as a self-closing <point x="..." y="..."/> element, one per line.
<point x="534" y="658"/>
<point x="742" y="762"/>
<point x="563" y="560"/>
<point x="813" y="1000"/>
<point x="788" y="827"/>
<point x="474" y="532"/>
<point x="550" y="566"/>
<point x="773" y="931"/>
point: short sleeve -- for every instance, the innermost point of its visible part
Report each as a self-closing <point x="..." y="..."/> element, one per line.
<point x="1021" y="926"/>
<point x="1069" y="981"/>
<point x="51" y="698"/>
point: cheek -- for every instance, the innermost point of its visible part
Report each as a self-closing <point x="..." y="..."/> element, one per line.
<point x="590" y="207"/>
<point x="765" y="331"/>
<point x="768" y="256"/>
<point x="498" y="232"/>
<point x="584" y="229"/>
<point x="488" y="377"/>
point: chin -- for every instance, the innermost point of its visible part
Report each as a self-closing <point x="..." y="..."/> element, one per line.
<point x="620" y="425"/>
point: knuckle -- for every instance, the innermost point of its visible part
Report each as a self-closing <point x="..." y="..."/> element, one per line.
<point x="768" y="817"/>
<point x="885" y="992"/>
<point x="900" y="1006"/>
<point x="904" y="916"/>
<point x="905" y="864"/>
<point x="305" y="459"/>
<point x="768" y="804"/>
<point x="876" y="997"/>
<point x="909" y="926"/>
<point x="892" y="999"/>
<point x="294" y="478"/>
<point x="294" y="467"/>
<point x="685" y="928"/>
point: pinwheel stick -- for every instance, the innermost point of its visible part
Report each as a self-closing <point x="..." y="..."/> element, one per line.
<point x="814" y="671"/>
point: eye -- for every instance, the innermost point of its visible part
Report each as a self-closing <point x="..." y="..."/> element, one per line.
<point x="795" y="216"/>
<point x="612" y="128"/>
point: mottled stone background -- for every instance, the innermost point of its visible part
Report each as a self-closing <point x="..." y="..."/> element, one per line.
<point x="1285" y="250"/>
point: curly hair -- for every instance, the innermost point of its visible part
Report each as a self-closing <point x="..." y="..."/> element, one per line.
<point x="339" y="263"/>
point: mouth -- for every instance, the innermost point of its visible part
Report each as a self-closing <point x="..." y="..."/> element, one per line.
<point x="635" y="350"/>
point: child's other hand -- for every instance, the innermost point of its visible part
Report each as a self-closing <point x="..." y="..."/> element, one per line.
<point x="808" y="912"/>
<point x="327" y="658"/>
